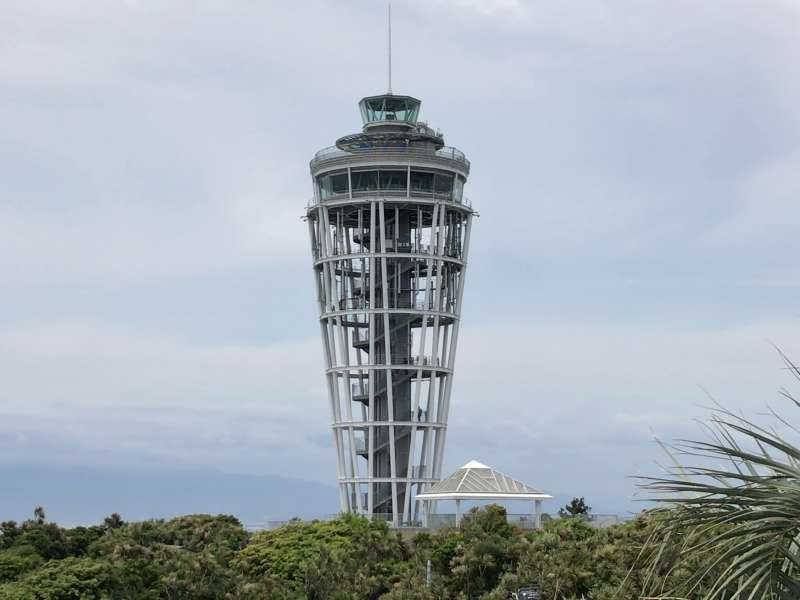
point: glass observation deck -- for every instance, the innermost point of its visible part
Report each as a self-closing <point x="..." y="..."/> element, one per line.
<point x="389" y="108"/>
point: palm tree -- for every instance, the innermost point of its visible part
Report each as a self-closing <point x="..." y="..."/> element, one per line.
<point x="729" y="528"/>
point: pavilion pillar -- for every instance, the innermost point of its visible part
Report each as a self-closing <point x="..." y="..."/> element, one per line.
<point x="537" y="513"/>
<point x="458" y="513"/>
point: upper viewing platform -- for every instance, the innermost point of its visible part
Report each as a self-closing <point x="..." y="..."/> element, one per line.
<point x="386" y="152"/>
<point x="391" y="133"/>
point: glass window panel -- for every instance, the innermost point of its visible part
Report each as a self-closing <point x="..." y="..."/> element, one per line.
<point x="390" y="109"/>
<point x="339" y="183"/>
<point x="459" y="189"/>
<point x="364" y="181"/>
<point x="421" y="181"/>
<point x="443" y="184"/>
<point x="395" y="109"/>
<point x="324" y="187"/>
<point x="330" y="185"/>
<point x="393" y="180"/>
<point x="375" y="109"/>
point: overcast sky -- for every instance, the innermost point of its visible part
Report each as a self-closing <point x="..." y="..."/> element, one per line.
<point x="635" y="163"/>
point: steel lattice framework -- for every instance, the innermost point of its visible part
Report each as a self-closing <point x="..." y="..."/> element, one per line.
<point x="389" y="232"/>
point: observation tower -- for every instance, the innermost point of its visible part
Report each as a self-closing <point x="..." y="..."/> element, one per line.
<point x="390" y="232"/>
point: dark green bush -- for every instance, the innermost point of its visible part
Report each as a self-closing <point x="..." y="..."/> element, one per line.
<point x="204" y="557"/>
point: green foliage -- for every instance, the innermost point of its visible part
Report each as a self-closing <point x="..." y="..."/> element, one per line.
<point x="577" y="507"/>
<point x="346" y="557"/>
<point x="411" y="589"/>
<point x="18" y="560"/>
<point x="8" y="533"/>
<point x="113" y="521"/>
<point x="78" y="578"/>
<point x="208" y="557"/>
<point x="487" y="547"/>
<point x="487" y="558"/>
<point x="732" y="521"/>
<point x="286" y="552"/>
<point x="47" y="538"/>
<point x="212" y="557"/>
<point x="446" y="546"/>
<point x="80" y="538"/>
<point x="186" y="557"/>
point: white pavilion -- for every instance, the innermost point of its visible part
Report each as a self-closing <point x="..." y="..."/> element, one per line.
<point x="476" y="481"/>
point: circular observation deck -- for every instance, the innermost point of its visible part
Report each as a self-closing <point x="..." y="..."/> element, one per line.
<point x="333" y="157"/>
<point x="411" y="174"/>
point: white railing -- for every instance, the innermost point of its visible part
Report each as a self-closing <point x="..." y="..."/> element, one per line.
<point x="425" y="250"/>
<point x="444" y="197"/>
<point x="359" y="303"/>
<point x="439" y="520"/>
<point x="352" y="304"/>
<point x="357" y="391"/>
<point x="402" y="247"/>
<point x="421" y="416"/>
<point x="447" y="152"/>
<point x="404" y="359"/>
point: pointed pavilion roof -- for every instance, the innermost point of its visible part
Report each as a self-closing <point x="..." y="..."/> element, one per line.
<point x="477" y="481"/>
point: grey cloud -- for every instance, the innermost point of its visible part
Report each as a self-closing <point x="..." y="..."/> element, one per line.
<point x="635" y="166"/>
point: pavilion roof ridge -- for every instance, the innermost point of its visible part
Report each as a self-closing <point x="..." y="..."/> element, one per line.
<point x="474" y="464"/>
<point x="477" y="480"/>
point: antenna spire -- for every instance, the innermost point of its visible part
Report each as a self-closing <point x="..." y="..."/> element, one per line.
<point x="390" y="47"/>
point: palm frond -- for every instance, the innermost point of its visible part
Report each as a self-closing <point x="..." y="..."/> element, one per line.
<point x="730" y="526"/>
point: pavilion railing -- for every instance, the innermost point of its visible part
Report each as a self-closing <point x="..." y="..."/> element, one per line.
<point x="443" y="520"/>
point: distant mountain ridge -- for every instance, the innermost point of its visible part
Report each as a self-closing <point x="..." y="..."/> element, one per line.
<point x="83" y="496"/>
<point x="75" y="496"/>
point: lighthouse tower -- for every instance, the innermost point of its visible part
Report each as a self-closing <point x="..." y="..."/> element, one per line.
<point x="390" y="232"/>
